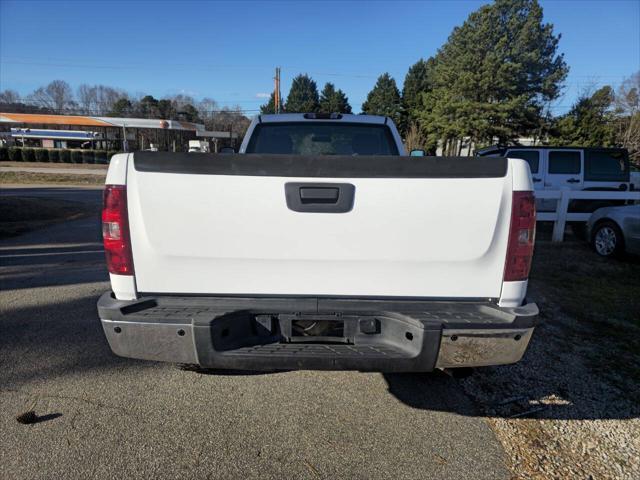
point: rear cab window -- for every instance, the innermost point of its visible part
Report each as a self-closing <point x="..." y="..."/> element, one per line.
<point x="321" y="138"/>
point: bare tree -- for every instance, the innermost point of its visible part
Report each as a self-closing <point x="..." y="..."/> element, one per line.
<point x="231" y="119"/>
<point x="180" y="101"/>
<point x="9" y="96"/>
<point x="414" y="139"/>
<point x="61" y="94"/>
<point x="627" y="109"/>
<point x="107" y="98"/>
<point x="57" y="96"/>
<point x="207" y="108"/>
<point x="87" y="96"/>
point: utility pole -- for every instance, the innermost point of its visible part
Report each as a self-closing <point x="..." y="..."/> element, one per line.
<point x="276" y="92"/>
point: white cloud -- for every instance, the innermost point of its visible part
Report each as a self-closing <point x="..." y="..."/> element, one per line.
<point x="263" y="95"/>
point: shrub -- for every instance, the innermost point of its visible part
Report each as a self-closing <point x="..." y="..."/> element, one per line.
<point x="101" y="157"/>
<point x="42" y="155"/>
<point x="15" y="154"/>
<point x="54" y="156"/>
<point x="28" y="155"/>
<point x="76" y="156"/>
<point x="88" y="156"/>
<point x="4" y="154"/>
<point x="65" y="156"/>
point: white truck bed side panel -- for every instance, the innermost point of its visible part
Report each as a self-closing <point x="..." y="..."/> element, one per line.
<point x="117" y="172"/>
<point x="123" y="286"/>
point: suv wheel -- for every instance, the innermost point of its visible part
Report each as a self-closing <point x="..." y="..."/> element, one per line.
<point x="607" y="239"/>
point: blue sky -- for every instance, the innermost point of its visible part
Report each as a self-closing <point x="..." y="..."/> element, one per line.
<point x="228" y="50"/>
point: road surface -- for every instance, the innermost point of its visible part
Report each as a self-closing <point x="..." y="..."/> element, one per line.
<point x="106" y="416"/>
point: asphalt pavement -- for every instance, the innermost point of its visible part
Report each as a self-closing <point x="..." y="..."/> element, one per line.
<point x="110" y="417"/>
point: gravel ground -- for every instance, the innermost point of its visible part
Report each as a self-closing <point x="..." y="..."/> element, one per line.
<point x="558" y="413"/>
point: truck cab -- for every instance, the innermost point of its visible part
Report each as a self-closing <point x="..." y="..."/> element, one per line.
<point x="322" y="134"/>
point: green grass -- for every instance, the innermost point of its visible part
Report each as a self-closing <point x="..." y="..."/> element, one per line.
<point x="30" y="178"/>
<point x="85" y="166"/>
<point x="601" y="295"/>
<point x="586" y="285"/>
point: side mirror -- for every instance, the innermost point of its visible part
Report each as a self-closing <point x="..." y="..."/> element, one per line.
<point x="227" y="150"/>
<point x="417" y="153"/>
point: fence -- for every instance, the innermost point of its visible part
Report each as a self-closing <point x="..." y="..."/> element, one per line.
<point x="560" y="217"/>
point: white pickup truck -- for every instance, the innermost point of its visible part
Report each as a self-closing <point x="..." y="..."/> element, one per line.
<point x="320" y="245"/>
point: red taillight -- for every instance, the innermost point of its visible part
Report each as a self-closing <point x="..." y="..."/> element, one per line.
<point x="115" y="230"/>
<point x="522" y="235"/>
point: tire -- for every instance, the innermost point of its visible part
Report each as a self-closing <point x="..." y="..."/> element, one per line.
<point x="607" y="239"/>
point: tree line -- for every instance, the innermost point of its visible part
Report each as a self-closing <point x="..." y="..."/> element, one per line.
<point x="100" y="100"/>
<point x="493" y="81"/>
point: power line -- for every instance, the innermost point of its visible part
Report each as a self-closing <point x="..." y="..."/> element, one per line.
<point x="198" y="66"/>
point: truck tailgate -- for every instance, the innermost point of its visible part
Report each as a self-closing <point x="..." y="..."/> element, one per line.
<point x="417" y="227"/>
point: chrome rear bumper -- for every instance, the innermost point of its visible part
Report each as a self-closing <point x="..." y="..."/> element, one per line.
<point x="255" y="334"/>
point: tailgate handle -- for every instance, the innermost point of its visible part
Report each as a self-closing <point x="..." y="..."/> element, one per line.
<point x="319" y="197"/>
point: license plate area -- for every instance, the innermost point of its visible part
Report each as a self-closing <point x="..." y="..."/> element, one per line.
<point x="320" y="330"/>
<point x="244" y="329"/>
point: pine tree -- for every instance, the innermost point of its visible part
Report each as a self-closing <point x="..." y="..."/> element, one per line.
<point x="121" y="108"/>
<point x="270" y="106"/>
<point x="415" y="84"/>
<point x="589" y="123"/>
<point x="303" y="95"/>
<point x="384" y="99"/>
<point x="493" y="76"/>
<point x="148" y="107"/>
<point x="333" y="101"/>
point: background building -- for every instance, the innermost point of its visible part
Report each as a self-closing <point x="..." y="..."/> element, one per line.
<point x="105" y="133"/>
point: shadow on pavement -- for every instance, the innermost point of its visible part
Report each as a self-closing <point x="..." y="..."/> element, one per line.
<point x="66" y="338"/>
<point x="47" y="417"/>
<point x="52" y="340"/>
<point x="55" y="265"/>
<point x="90" y="195"/>
<point x="63" y="254"/>
<point x="522" y="390"/>
<point x="226" y="373"/>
